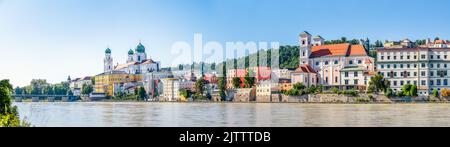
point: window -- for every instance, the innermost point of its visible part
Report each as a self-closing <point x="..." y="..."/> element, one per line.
<point x="424" y="82"/>
<point x="431" y="73"/>
<point x="402" y="74"/>
<point x="415" y="82"/>
<point x="423" y="65"/>
<point x="415" y="65"/>
<point x="346" y="82"/>
<point x="355" y="82"/>
<point x="402" y="83"/>
<point x="350" y="62"/>
<point x="389" y="66"/>
<point x="408" y="65"/>
<point x="356" y="74"/>
<point x="423" y="56"/>
<point x="409" y="74"/>
<point x="326" y="62"/>
<point x="445" y="82"/>
<point x="395" y="65"/>
<point x="431" y="82"/>
<point x="415" y="57"/>
<point x="317" y="63"/>
<point x="438" y="57"/>
<point x="346" y="74"/>
<point x="382" y="57"/>
<point x="438" y="82"/>
<point x="431" y="65"/>
<point x="395" y="57"/>
<point x="395" y="83"/>
<point x="304" y="54"/>
<point x="445" y="56"/>
<point x="401" y="57"/>
<point x="395" y="74"/>
<point x="408" y="82"/>
<point x="431" y="57"/>
<point x="359" y="62"/>
<point x="401" y="65"/>
<point x="438" y="65"/>
<point x="389" y="57"/>
<point x="423" y="74"/>
<point x="336" y="79"/>
<point x="415" y="74"/>
<point x="382" y="66"/>
<point x="408" y="57"/>
<point x="445" y="65"/>
<point x="336" y="62"/>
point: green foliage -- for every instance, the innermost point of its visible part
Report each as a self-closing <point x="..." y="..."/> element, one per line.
<point x="200" y="86"/>
<point x="9" y="116"/>
<point x="299" y="86"/>
<point x="389" y="93"/>
<point x="236" y="82"/>
<point x="351" y="92"/>
<point x="379" y="83"/>
<point x="141" y="94"/>
<point x="436" y="93"/>
<point x="185" y="93"/>
<point x="343" y="40"/>
<point x="222" y="85"/>
<point x="41" y="87"/>
<point x="249" y="81"/>
<point x="399" y="94"/>
<point x="413" y="90"/>
<point x="362" y="100"/>
<point x="87" y="89"/>
<point x="406" y="90"/>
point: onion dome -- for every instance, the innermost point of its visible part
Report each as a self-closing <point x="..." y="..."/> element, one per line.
<point x="140" y="48"/>
<point x="130" y="52"/>
<point x="108" y="51"/>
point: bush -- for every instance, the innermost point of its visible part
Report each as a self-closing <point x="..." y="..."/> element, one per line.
<point x="362" y="100"/>
<point x="436" y="93"/>
<point x="371" y="96"/>
<point x="351" y="92"/>
<point x="335" y="90"/>
<point x="445" y="92"/>
<point x="389" y="93"/>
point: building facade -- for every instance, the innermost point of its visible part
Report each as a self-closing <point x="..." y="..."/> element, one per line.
<point x="171" y="89"/>
<point x="108" y="82"/>
<point x="137" y="62"/>
<point x="331" y="62"/>
<point x="426" y="67"/>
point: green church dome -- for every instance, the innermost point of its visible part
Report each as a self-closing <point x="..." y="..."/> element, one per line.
<point x="131" y="52"/>
<point x="108" y="51"/>
<point x="140" y="48"/>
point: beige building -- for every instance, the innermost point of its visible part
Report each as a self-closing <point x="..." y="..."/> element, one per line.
<point x="171" y="89"/>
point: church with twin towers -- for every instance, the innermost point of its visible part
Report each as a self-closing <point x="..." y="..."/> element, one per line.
<point x="137" y="62"/>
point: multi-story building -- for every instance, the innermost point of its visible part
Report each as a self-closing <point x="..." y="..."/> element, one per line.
<point x="171" y="89"/>
<point x="333" y="62"/>
<point x="76" y="85"/>
<point x="109" y="82"/>
<point x="304" y="74"/>
<point x="152" y="83"/>
<point x="282" y="73"/>
<point x="426" y="67"/>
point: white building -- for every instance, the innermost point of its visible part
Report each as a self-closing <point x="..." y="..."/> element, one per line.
<point x="426" y="67"/>
<point x="152" y="82"/>
<point x="137" y="62"/>
<point x="333" y="62"/>
<point x="76" y="85"/>
<point x="171" y="89"/>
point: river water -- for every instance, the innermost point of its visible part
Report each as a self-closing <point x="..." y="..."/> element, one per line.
<point x="108" y="114"/>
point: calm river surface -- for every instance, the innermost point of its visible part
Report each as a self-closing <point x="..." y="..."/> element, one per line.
<point x="233" y="115"/>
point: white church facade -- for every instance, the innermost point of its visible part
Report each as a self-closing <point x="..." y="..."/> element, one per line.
<point x="137" y="62"/>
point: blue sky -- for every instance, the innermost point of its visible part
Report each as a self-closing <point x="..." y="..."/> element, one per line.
<point x="52" y="39"/>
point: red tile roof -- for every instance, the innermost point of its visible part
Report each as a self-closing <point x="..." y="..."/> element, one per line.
<point x="344" y="49"/>
<point x="305" y="69"/>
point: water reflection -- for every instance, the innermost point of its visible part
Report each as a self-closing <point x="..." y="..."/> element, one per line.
<point x="233" y="115"/>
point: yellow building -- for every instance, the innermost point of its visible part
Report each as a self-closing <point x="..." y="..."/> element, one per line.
<point x="105" y="82"/>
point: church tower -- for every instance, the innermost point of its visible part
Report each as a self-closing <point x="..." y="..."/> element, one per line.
<point x="108" y="61"/>
<point x="305" y="47"/>
<point x="140" y="54"/>
<point x="130" y="56"/>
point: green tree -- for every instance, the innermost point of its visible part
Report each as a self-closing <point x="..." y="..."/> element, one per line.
<point x="9" y="116"/>
<point x="389" y="92"/>
<point x="222" y="85"/>
<point x="299" y="86"/>
<point x="406" y="89"/>
<point x="200" y="86"/>
<point x="436" y="93"/>
<point x="141" y="94"/>
<point x="87" y="89"/>
<point x="379" y="83"/>
<point x="236" y="82"/>
<point x="413" y="90"/>
<point x="249" y="80"/>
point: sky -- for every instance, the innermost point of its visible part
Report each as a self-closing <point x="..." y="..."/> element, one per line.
<point x="52" y="39"/>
